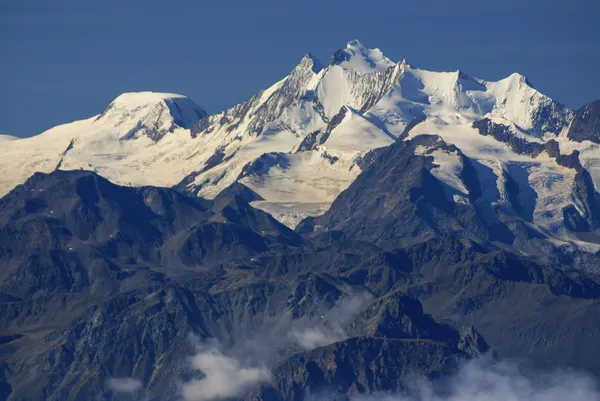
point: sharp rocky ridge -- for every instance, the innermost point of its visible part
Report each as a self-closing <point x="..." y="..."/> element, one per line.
<point x="299" y="143"/>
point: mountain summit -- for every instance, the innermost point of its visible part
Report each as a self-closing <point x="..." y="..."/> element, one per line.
<point x="355" y="56"/>
<point x="151" y="114"/>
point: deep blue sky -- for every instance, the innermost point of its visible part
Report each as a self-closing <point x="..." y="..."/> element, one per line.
<point x="66" y="60"/>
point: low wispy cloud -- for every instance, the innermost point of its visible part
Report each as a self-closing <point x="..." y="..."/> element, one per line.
<point x="125" y="385"/>
<point x="230" y="371"/>
<point x="331" y="327"/>
<point x="223" y="376"/>
<point x="311" y="338"/>
<point x="484" y="379"/>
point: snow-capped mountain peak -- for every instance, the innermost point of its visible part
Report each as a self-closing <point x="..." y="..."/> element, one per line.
<point x="355" y="56"/>
<point x="151" y="114"/>
<point x="517" y="101"/>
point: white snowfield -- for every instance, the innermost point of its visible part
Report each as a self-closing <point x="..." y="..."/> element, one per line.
<point x="298" y="142"/>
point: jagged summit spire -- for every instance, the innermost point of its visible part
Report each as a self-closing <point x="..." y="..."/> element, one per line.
<point x="355" y="43"/>
<point x="314" y="62"/>
<point x="355" y="56"/>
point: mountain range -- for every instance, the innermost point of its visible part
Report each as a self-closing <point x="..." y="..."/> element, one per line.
<point x="353" y="226"/>
<point x="299" y="143"/>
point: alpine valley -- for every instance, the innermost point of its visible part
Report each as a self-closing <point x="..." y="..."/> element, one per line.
<point x="355" y="226"/>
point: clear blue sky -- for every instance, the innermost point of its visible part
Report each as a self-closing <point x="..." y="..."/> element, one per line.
<point x="65" y="60"/>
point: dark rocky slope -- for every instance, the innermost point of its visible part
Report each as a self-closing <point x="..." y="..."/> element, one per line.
<point x="102" y="281"/>
<point x="586" y="124"/>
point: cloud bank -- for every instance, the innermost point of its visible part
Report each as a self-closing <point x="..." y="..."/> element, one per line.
<point x="484" y="379"/>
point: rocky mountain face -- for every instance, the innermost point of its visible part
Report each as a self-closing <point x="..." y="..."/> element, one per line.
<point x="103" y="281"/>
<point x="367" y="365"/>
<point x="423" y="186"/>
<point x="398" y="199"/>
<point x="586" y="124"/>
<point x="103" y="286"/>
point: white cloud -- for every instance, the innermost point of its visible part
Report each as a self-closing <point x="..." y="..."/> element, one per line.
<point x="124" y="384"/>
<point x="311" y="338"/>
<point x="331" y="326"/>
<point x="234" y="372"/>
<point x="483" y="379"/>
<point x="224" y="376"/>
<point x="243" y="365"/>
